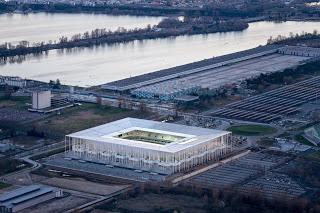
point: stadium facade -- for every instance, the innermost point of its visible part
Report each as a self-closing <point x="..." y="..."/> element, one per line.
<point x="148" y="145"/>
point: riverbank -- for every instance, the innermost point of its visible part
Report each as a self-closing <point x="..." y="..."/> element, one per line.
<point x="165" y="29"/>
<point x="275" y="11"/>
<point x="305" y="39"/>
<point x="137" y="10"/>
<point x="16" y="27"/>
<point x="105" y="63"/>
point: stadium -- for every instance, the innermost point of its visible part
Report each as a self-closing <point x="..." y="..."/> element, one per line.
<point x="151" y="146"/>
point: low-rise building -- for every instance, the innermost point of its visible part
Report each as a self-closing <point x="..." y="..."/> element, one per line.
<point x="41" y="99"/>
<point x="25" y="197"/>
<point x="13" y="81"/>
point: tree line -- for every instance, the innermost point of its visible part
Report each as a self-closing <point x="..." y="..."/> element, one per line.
<point x="275" y="10"/>
<point x="294" y="38"/>
<point x="226" y="200"/>
<point x="166" y="28"/>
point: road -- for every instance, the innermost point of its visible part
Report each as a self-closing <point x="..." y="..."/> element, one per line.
<point x="40" y="150"/>
<point x="91" y="204"/>
<point x="21" y="177"/>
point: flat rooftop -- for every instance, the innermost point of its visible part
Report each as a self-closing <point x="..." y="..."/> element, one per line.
<point x="129" y="83"/>
<point x="148" y="134"/>
<point x="24" y="194"/>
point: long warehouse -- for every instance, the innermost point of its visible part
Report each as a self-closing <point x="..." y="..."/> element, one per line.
<point x="212" y="74"/>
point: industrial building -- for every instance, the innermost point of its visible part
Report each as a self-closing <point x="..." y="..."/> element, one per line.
<point x="13" y="81"/>
<point x="212" y="74"/>
<point x="167" y="90"/>
<point x="25" y="197"/>
<point x="145" y="145"/>
<point x="188" y="69"/>
<point x="41" y="99"/>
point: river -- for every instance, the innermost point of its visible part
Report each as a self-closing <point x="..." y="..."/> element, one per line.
<point x="93" y="66"/>
<point x="37" y="27"/>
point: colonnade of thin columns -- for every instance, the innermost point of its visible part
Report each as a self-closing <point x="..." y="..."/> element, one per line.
<point x="149" y="160"/>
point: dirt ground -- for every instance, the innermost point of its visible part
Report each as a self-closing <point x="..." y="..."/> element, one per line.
<point x="83" y="186"/>
<point x="26" y="141"/>
<point x="15" y="102"/>
<point x="19" y="178"/>
<point x="58" y="205"/>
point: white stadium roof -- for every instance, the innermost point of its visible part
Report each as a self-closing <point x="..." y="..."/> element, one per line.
<point x="191" y="135"/>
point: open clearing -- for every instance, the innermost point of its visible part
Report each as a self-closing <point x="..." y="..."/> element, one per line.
<point x="301" y="139"/>
<point x="26" y="141"/>
<point x="58" y="205"/>
<point x="84" y="186"/>
<point x="15" y="102"/>
<point x="4" y="185"/>
<point x="82" y="117"/>
<point x="252" y="130"/>
<point x="315" y="155"/>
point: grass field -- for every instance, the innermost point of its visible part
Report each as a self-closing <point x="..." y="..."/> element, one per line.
<point x="4" y="185"/>
<point x="266" y="142"/>
<point x="302" y="140"/>
<point x="24" y="140"/>
<point x="83" y="117"/>
<point x="315" y="155"/>
<point x="251" y="130"/>
<point x="9" y="165"/>
<point x="15" y="102"/>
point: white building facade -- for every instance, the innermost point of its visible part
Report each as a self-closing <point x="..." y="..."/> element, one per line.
<point x="41" y="99"/>
<point x="149" y="145"/>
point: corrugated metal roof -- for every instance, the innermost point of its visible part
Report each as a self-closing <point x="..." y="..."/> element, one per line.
<point x="23" y="194"/>
<point x="32" y="195"/>
<point x="18" y="192"/>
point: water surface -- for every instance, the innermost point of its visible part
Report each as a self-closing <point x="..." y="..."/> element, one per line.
<point x="37" y="27"/>
<point x="93" y="66"/>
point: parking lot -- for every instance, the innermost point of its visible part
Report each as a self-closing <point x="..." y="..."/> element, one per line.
<point x="273" y="105"/>
<point x="217" y="77"/>
<point x="256" y="172"/>
<point x="273" y="186"/>
<point x="101" y="169"/>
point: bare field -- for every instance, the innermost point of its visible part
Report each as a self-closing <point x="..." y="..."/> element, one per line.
<point x="26" y="141"/>
<point x="82" y="117"/>
<point x="58" y="205"/>
<point x="84" y="186"/>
